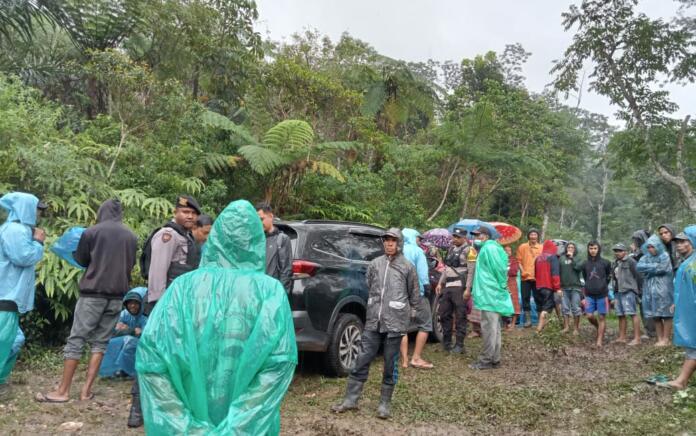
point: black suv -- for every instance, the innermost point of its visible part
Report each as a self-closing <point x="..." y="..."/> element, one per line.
<point x="329" y="294"/>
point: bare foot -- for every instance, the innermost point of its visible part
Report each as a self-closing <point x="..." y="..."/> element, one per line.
<point x="86" y="396"/>
<point x="421" y="364"/>
<point x="599" y="345"/>
<point x="671" y="384"/>
<point x="51" y="397"/>
<point x="620" y="341"/>
<point x="576" y="332"/>
<point x="634" y="342"/>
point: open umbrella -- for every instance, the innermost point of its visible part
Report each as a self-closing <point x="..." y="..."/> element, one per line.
<point x="471" y="224"/>
<point x="441" y="238"/>
<point x="508" y="233"/>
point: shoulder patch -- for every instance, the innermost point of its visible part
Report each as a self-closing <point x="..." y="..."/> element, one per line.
<point x="166" y="237"/>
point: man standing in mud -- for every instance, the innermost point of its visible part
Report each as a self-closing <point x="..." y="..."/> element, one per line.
<point x="393" y="290"/>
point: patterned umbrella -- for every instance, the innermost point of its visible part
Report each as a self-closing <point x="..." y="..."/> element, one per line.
<point x="440" y="238"/>
<point x="508" y="233"/>
<point x="471" y="224"/>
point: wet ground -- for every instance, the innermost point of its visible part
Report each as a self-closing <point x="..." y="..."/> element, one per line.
<point x="552" y="384"/>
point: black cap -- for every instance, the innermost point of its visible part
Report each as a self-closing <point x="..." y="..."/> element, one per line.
<point x="482" y="231"/>
<point x="459" y="232"/>
<point x="188" y="201"/>
<point x="42" y="205"/>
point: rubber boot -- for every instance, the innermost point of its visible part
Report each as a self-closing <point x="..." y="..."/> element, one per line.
<point x="527" y="319"/>
<point x="135" y="417"/>
<point x="385" y="401"/>
<point x="350" y="401"/>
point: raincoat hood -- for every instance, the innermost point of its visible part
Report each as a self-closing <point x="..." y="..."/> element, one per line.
<point x="549" y="248"/>
<point x="691" y="233"/>
<point x="110" y="210"/>
<point x="656" y="242"/>
<point x="137" y="294"/>
<point x="236" y="240"/>
<point x="21" y="207"/>
<point x="410" y="236"/>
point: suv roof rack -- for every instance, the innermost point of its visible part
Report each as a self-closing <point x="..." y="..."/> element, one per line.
<point x="352" y="223"/>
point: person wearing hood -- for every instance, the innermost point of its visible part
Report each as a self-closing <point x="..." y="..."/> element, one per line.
<point x="571" y="285"/>
<point x="454" y="282"/>
<point x="626" y="290"/>
<point x="107" y="250"/>
<point x="548" y="282"/>
<point x="658" y="288"/>
<point x="278" y="248"/>
<point x="392" y="283"/>
<point x="526" y="255"/>
<point x="491" y="297"/>
<point x="169" y="252"/>
<point x="119" y="358"/>
<point x="685" y="305"/>
<point x="21" y="248"/>
<point x="667" y="232"/>
<point x="637" y="241"/>
<point x="424" y="317"/>
<point x="218" y="352"/>
<point x="596" y="272"/>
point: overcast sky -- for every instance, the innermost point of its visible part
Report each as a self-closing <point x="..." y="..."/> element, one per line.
<point x="418" y="30"/>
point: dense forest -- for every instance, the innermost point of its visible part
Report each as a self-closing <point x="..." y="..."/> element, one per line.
<point x="147" y="99"/>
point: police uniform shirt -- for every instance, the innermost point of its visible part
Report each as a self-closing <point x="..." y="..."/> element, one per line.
<point x="168" y="247"/>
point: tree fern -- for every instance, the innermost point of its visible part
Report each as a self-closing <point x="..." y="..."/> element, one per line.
<point x="219" y="121"/>
<point x="262" y="159"/>
<point x="294" y="135"/>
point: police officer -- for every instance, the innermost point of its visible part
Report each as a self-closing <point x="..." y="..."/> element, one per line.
<point x="173" y="252"/>
<point x="453" y="282"/>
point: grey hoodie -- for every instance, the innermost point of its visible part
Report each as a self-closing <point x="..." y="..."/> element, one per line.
<point x="392" y="290"/>
<point x="107" y="251"/>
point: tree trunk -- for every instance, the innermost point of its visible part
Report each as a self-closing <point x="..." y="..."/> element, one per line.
<point x="444" y="195"/>
<point x="560" y="222"/>
<point x="469" y="188"/>
<point x="523" y="215"/>
<point x="600" y="204"/>
<point x="544" y="225"/>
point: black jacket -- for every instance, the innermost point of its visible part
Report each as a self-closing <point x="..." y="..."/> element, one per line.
<point x="597" y="273"/>
<point x="107" y="250"/>
<point x="279" y="257"/>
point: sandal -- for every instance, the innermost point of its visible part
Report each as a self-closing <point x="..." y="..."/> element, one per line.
<point x="89" y="397"/>
<point x="658" y="378"/>
<point x="42" y="398"/>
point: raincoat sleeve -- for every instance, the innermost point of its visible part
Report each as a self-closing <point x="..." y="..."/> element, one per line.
<point x="422" y="269"/>
<point x="661" y="266"/>
<point x="19" y="246"/>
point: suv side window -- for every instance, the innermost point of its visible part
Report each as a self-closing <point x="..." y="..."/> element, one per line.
<point x="366" y="247"/>
<point x="335" y="244"/>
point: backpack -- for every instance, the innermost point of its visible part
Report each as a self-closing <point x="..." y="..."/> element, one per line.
<point x="146" y="255"/>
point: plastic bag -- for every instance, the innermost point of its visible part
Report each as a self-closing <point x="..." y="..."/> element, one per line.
<point x="66" y="244"/>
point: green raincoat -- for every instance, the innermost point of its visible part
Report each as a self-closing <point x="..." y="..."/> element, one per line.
<point x="490" y="280"/>
<point x="218" y="352"/>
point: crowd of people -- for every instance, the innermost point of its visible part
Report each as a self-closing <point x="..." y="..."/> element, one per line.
<point x="210" y="341"/>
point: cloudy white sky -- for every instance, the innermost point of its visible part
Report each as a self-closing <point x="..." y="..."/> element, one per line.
<point x="417" y="30"/>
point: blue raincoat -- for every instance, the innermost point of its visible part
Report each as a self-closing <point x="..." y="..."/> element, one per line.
<point x="19" y="252"/>
<point x="416" y="256"/>
<point x="218" y="352"/>
<point x="658" y="285"/>
<point x="685" y="297"/>
<point x="120" y="353"/>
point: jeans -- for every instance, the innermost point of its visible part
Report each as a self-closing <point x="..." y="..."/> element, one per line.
<point x="369" y="347"/>
<point x="528" y="287"/>
<point x="571" y="302"/>
<point x="492" y="340"/>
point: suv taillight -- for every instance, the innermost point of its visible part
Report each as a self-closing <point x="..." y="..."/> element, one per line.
<point x="302" y="269"/>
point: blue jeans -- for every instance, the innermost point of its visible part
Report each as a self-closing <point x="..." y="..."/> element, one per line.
<point x="571" y="302"/>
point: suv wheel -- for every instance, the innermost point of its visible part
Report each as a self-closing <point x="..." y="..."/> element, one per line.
<point x="436" y="335"/>
<point x="344" y="345"/>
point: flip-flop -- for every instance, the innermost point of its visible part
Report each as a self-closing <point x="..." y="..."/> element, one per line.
<point x="657" y="378"/>
<point x="90" y="397"/>
<point x="422" y="366"/>
<point x="42" y="398"/>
